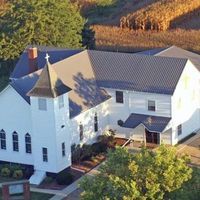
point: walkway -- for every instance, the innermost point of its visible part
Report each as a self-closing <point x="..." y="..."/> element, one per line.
<point x="69" y="189"/>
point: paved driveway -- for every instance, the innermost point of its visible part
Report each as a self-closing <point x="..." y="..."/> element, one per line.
<point x="192" y="148"/>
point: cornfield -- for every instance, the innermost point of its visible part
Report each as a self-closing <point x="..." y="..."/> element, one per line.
<point x="159" y="15"/>
<point x="125" y="40"/>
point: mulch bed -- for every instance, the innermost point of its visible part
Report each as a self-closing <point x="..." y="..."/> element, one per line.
<point x="88" y="165"/>
<point x="120" y="141"/>
<point x="53" y="184"/>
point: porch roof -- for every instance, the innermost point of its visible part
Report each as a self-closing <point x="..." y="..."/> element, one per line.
<point x="152" y="123"/>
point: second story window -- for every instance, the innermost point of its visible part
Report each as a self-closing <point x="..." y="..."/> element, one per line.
<point x="15" y="141"/>
<point x="81" y="131"/>
<point x="61" y="101"/>
<point x="151" y="105"/>
<point x="119" y="97"/>
<point x="42" y="104"/>
<point x="95" y="123"/>
<point x="45" y="154"/>
<point x="3" y="139"/>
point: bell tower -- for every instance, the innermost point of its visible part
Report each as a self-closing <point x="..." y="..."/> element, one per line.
<point x="50" y="122"/>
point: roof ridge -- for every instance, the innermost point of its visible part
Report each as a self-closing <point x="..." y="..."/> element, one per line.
<point x="166" y="49"/>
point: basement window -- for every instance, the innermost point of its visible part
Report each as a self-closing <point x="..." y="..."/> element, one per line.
<point x="42" y="104"/>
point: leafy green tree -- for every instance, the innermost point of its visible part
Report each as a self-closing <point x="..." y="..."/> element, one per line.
<point x="190" y="189"/>
<point x="43" y="22"/>
<point x="145" y="175"/>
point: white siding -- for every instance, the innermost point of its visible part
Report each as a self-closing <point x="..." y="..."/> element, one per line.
<point x="49" y="133"/>
<point x="87" y="119"/>
<point x="185" y="103"/>
<point x="15" y="116"/>
<point x="166" y="137"/>
<point x="136" y="102"/>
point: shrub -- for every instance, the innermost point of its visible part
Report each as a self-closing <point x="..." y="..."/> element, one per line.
<point x="98" y="148"/>
<point x="107" y="139"/>
<point x="64" y="178"/>
<point x="5" y="172"/>
<point x="18" y="174"/>
<point x="81" y="153"/>
<point x="86" y="152"/>
<point x="28" y="172"/>
<point x="76" y="153"/>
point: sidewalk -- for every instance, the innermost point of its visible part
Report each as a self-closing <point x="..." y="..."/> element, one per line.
<point x="69" y="189"/>
<point x="184" y="144"/>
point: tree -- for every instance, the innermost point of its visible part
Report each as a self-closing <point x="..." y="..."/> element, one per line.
<point x="44" y="22"/>
<point x="145" y="175"/>
<point x="189" y="190"/>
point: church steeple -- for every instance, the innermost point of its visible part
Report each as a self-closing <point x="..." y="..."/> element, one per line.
<point x="48" y="84"/>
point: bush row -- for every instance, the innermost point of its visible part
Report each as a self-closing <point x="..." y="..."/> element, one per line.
<point x="86" y="151"/>
<point x="15" y="171"/>
<point x="159" y="15"/>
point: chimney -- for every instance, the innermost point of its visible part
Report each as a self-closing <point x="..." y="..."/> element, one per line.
<point x="32" y="57"/>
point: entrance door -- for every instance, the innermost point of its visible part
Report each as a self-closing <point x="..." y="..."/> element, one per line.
<point x="152" y="137"/>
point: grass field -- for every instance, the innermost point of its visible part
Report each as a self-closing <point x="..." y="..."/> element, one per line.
<point x="35" y="196"/>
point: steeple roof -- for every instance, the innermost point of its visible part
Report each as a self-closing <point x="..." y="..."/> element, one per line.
<point x="48" y="84"/>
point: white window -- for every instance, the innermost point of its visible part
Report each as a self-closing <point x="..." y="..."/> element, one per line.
<point x="119" y="97"/>
<point x="179" y="103"/>
<point x="42" y="104"/>
<point x="28" y="143"/>
<point x="179" y="129"/>
<point x="81" y="131"/>
<point x="61" y="101"/>
<point x="63" y="149"/>
<point x="151" y="105"/>
<point x="45" y="154"/>
<point x="15" y="141"/>
<point x="3" y="139"/>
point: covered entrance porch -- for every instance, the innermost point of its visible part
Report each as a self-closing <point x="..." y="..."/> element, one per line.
<point x="146" y="129"/>
<point x="152" y="137"/>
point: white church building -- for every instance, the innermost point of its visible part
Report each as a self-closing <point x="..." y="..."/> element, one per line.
<point x="59" y="97"/>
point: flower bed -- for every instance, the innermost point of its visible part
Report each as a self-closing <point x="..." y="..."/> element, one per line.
<point x="51" y="183"/>
<point x="89" y="164"/>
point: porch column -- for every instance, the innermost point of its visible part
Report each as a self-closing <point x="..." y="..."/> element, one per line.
<point x="144" y="137"/>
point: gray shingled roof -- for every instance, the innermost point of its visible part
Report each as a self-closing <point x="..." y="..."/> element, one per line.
<point x="125" y="71"/>
<point x="56" y="54"/>
<point x="152" y="123"/>
<point x="87" y="72"/>
<point x="151" y="52"/>
<point x="48" y="84"/>
<point x="177" y="52"/>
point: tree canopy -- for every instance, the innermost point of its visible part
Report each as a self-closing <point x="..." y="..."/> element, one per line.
<point x="145" y="175"/>
<point x="44" y="22"/>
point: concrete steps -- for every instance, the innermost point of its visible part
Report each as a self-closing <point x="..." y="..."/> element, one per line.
<point x="37" y="177"/>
